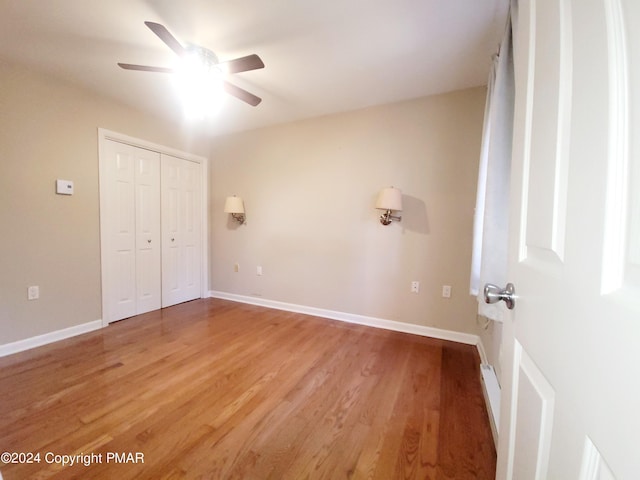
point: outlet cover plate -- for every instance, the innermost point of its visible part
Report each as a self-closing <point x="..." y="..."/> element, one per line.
<point x="33" y="292"/>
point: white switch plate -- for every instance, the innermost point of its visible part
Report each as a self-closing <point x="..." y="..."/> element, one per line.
<point x="258" y="270"/>
<point x="415" y="286"/>
<point x="33" y="292"/>
<point x="64" y="187"/>
<point x="446" y="291"/>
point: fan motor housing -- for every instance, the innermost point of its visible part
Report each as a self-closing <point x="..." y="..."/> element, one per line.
<point x="206" y="57"/>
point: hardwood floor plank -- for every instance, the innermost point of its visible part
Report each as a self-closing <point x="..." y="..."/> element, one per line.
<point x="214" y="389"/>
<point x="460" y="430"/>
<point x="422" y="412"/>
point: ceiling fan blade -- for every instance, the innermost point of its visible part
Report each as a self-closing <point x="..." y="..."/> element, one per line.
<point x="145" y="68"/>
<point x="165" y="35"/>
<point x="243" y="64"/>
<point x="243" y="95"/>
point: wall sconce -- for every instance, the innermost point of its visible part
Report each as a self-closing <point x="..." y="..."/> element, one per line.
<point x="389" y="200"/>
<point x="235" y="206"/>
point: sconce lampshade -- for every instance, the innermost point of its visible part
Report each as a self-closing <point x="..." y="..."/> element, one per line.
<point x="234" y="205"/>
<point x="389" y="198"/>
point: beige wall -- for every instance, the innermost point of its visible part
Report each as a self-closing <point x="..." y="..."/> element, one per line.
<point x="309" y="189"/>
<point x="48" y="130"/>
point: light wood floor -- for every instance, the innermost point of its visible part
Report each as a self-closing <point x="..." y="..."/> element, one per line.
<point x="213" y="389"/>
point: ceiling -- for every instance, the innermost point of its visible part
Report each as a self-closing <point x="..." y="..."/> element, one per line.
<point x="321" y="57"/>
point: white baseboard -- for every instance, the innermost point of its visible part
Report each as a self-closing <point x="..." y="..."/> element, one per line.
<point x="394" y="325"/>
<point x="491" y="391"/>
<point x="37" y="341"/>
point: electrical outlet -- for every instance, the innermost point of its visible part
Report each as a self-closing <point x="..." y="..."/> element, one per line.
<point x="446" y="291"/>
<point x="236" y="267"/>
<point x="258" y="270"/>
<point x="33" y="292"/>
<point x="415" y="286"/>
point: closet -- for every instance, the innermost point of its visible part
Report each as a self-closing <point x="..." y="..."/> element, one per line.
<point x="151" y="229"/>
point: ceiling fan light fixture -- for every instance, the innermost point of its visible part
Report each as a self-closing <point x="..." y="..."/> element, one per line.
<point x="199" y="82"/>
<point x="204" y="78"/>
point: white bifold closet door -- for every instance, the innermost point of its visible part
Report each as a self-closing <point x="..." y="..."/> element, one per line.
<point x="132" y="267"/>
<point x="181" y="230"/>
<point x="152" y="225"/>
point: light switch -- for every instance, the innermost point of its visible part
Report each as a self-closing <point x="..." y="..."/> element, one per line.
<point x="64" y="187"/>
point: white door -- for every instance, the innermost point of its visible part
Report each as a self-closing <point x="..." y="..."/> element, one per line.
<point x="571" y="383"/>
<point x="131" y="260"/>
<point x="181" y="230"/>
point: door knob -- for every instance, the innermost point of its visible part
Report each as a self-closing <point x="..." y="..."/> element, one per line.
<point x="493" y="294"/>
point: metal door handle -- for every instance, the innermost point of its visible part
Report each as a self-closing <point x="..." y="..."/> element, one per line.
<point x="493" y="294"/>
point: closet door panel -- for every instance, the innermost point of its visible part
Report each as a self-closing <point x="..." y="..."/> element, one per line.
<point x="171" y="260"/>
<point x="148" y="282"/>
<point x="181" y="230"/>
<point x="132" y="223"/>
<point x="191" y="233"/>
<point x="120" y="269"/>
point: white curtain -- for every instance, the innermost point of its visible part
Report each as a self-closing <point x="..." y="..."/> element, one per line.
<point x="491" y="229"/>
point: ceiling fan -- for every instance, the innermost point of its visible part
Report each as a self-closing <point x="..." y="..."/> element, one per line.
<point x="207" y="59"/>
